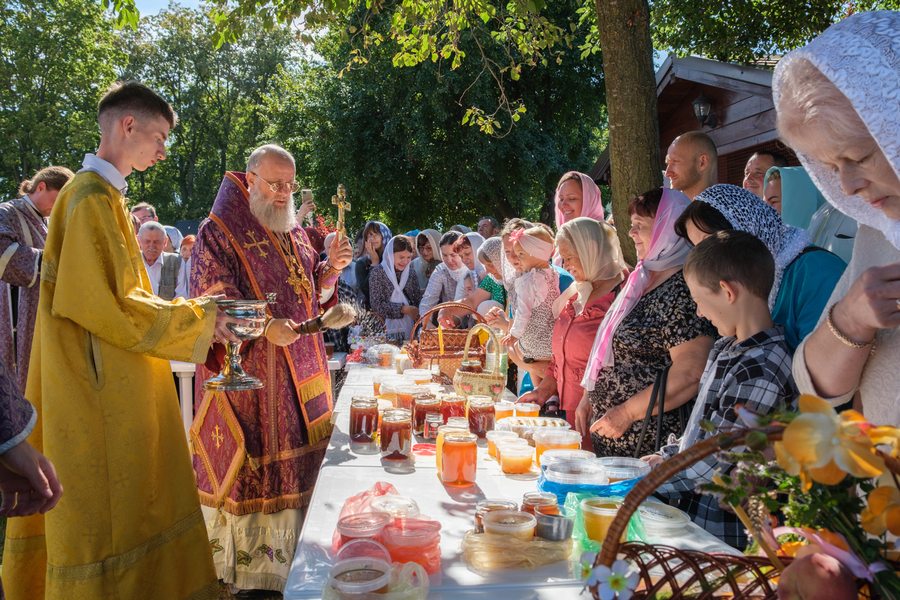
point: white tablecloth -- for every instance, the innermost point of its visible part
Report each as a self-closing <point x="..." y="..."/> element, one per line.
<point x="345" y="474"/>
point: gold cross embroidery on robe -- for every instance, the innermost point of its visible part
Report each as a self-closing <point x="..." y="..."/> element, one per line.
<point x="258" y="244"/>
<point x="217" y="437"/>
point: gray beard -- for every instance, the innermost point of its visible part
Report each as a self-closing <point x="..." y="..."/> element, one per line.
<point x="279" y="220"/>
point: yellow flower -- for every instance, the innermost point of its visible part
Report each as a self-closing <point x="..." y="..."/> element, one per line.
<point x="820" y="445"/>
<point x="883" y="512"/>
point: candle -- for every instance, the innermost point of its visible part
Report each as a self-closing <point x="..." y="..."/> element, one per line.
<point x="441" y="339"/>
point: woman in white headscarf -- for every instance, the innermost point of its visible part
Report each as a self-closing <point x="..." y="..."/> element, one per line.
<point x="467" y="247"/>
<point x="394" y="290"/>
<point x="428" y="243"/>
<point x="836" y="101"/>
<point x="590" y="251"/>
<point x="490" y="292"/>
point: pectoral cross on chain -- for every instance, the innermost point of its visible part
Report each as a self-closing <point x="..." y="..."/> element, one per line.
<point x="218" y="438"/>
<point x="258" y="244"/>
<point x="340" y="200"/>
<point x="300" y="284"/>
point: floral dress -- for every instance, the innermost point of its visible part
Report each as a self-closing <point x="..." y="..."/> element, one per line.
<point x="662" y="319"/>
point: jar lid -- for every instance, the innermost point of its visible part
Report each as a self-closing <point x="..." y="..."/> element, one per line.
<point x="556" y="436"/>
<point x="623" y="468"/>
<point x="460" y="437"/>
<point x="576" y="472"/>
<point x="480" y="401"/>
<point x="396" y="415"/>
<point x="396" y="506"/>
<point x="367" y="524"/>
<point x="508" y="520"/>
<point x="659" y="517"/>
<point x="431" y="417"/>
<point x="357" y="576"/>
<point x="490" y="505"/>
<point x="367" y="401"/>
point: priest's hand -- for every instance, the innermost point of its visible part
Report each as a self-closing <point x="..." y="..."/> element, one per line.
<point x="281" y="332"/>
<point x="341" y="253"/>
<point x="28" y="482"/>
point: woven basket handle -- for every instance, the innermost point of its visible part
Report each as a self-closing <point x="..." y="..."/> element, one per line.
<point x="663" y="473"/>
<point x="479" y="327"/>
<point x="424" y="318"/>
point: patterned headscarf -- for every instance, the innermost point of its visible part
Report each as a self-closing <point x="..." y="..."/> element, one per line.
<point x="747" y="212"/>
<point x="861" y="57"/>
<point x="667" y="250"/>
<point x="491" y="250"/>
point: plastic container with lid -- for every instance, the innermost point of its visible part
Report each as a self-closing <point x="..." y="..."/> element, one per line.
<point x="623" y="468"/>
<point x="661" y="520"/>
<point x="485" y="506"/>
<point x="362" y="567"/>
<point x="415" y="540"/>
<point x="554" y="439"/>
<point x="493" y="437"/>
<point x="362" y="525"/>
<point x="598" y="515"/>
<point x="527" y="409"/>
<point x="515" y="459"/>
<point x="419" y="376"/>
<point x="503" y="409"/>
<point x="516" y="441"/>
<point x="396" y="506"/>
<point x="555" y="527"/>
<point x="551" y="456"/>
<point x="544" y="502"/>
<point x="576" y="471"/>
<point x="513" y="523"/>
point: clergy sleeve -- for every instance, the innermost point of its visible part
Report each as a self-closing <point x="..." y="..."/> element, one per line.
<point x="17" y="416"/>
<point x="102" y="286"/>
<point x="19" y="262"/>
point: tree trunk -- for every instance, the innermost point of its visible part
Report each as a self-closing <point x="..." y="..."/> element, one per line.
<point x="624" y="27"/>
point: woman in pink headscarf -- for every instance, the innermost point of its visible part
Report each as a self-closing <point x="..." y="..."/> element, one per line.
<point x="577" y="196"/>
<point x="653" y="324"/>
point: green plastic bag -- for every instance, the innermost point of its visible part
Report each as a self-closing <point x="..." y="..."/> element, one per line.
<point x="582" y="543"/>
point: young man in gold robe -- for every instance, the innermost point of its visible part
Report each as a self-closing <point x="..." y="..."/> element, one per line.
<point x="129" y="525"/>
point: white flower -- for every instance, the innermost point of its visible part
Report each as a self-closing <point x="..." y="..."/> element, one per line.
<point x="587" y="563"/>
<point x="618" y="582"/>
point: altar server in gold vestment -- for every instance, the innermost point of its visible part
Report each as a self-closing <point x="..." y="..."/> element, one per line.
<point x="129" y="525"/>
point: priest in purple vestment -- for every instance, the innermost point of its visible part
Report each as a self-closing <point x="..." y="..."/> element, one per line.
<point x="257" y="453"/>
<point x="23" y="231"/>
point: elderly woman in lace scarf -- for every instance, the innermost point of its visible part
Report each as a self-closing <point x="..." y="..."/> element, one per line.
<point x="836" y="101"/>
<point x="805" y="275"/>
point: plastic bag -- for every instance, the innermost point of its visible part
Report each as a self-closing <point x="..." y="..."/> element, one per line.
<point x="562" y="490"/>
<point x="360" y="503"/>
<point x="408" y="582"/>
<point x="582" y="542"/>
<point x="484" y="553"/>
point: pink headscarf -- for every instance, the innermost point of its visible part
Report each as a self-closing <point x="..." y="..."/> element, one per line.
<point x="592" y="205"/>
<point x="666" y="250"/>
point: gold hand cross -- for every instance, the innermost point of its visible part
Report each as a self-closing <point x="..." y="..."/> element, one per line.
<point x="340" y="200"/>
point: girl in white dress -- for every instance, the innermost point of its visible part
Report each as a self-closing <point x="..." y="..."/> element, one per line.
<point x="536" y="289"/>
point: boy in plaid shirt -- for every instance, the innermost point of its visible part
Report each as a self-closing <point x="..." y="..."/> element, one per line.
<point x="730" y="275"/>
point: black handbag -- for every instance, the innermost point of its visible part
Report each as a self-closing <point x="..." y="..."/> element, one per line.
<point x="658" y="396"/>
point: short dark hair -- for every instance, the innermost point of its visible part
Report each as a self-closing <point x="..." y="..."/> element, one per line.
<point x="733" y="256"/>
<point x="494" y="222"/>
<point x="403" y="243"/>
<point x="704" y="216"/>
<point x="778" y="159"/>
<point x="136" y="97"/>
<point x="462" y="242"/>
<point x="513" y="224"/>
<point x="449" y="238"/>
<point x="646" y="204"/>
<point x="142" y="206"/>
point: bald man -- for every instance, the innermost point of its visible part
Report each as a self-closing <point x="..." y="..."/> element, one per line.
<point x="692" y="163"/>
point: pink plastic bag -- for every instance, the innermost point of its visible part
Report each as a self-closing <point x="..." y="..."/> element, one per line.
<point x="361" y="503"/>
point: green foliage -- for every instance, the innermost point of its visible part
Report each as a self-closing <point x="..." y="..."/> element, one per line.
<point x="744" y="30"/>
<point x="393" y="136"/>
<point x="218" y="94"/>
<point x="58" y="57"/>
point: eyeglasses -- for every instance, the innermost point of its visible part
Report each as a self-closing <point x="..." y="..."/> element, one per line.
<point x="280" y="186"/>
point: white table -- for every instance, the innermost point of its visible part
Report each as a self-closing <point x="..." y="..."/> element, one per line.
<point x="344" y="474"/>
<point x="184" y="371"/>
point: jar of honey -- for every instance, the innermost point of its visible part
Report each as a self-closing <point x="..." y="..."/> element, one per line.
<point x="386" y="358"/>
<point x="471" y="366"/>
<point x="363" y="419"/>
<point x="396" y="434"/>
<point x="527" y="409"/>
<point x="453" y="406"/>
<point x="485" y="506"/>
<point x="459" y="455"/>
<point x="481" y="415"/>
<point x="422" y="408"/>
<point x="405" y="395"/>
<point x="433" y="421"/>
<point x="543" y="502"/>
<point x="503" y="409"/>
<point x="439" y="442"/>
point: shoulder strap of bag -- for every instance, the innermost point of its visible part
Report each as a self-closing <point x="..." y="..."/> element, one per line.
<point x="657" y="394"/>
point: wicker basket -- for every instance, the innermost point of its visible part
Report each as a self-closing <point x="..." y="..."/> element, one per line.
<point x="484" y="383"/>
<point x="425" y="351"/>
<point x="688" y="573"/>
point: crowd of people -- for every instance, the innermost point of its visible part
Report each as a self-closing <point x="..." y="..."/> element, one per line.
<point x="740" y="296"/>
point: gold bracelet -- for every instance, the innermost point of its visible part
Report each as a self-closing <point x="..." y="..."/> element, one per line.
<point x="841" y="337"/>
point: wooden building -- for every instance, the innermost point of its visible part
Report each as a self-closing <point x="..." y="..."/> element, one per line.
<point x="742" y="113"/>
